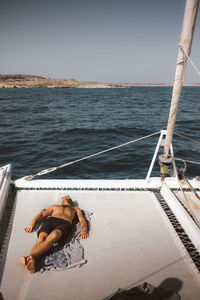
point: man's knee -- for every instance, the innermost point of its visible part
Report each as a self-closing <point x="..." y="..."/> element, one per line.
<point x="56" y="235"/>
<point x="42" y="237"/>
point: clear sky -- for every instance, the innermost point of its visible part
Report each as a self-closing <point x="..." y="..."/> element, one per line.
<point x="94" y="40"/>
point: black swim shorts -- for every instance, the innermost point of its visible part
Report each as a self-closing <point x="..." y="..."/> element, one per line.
<point x="52" y="223"/>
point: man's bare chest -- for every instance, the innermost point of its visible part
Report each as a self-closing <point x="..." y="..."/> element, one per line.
<point x="64" y="210"/>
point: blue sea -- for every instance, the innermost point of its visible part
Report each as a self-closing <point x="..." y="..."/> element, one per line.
<point x="43" y="128"/>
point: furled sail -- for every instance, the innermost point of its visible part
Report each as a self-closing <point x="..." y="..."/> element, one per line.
<point x="191" y="8"/>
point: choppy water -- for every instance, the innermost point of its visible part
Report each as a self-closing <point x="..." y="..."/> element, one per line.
<point x="41" y="128"/>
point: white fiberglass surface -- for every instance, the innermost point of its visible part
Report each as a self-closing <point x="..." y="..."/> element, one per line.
<point x="131" y="241"/>
<point x="191" y="202"/>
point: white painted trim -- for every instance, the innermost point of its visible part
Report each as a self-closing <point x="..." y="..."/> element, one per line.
<point x="159" y="144"/>
<point x="155" y="155"/>
<point x="154" y="182"/>
<point x="5" y="178"/>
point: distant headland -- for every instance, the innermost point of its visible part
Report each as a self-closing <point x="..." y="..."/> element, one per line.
<point x="32" y="81"/>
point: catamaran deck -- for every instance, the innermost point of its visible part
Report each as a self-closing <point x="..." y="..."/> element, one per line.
<point x="131" y="241"/>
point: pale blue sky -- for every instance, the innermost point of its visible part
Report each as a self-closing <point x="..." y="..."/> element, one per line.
<point x="89" y="40"/>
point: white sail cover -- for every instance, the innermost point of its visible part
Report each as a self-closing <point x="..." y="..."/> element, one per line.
<point x="183" y="53"/>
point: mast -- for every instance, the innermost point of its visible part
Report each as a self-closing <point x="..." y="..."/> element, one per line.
<point x="191" y="8"/>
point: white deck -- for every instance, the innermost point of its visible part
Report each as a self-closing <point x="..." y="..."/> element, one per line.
<point x="153" y="182"/>
<point x="131" y="241"/>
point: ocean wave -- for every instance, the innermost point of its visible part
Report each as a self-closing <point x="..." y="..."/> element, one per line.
<point x="42" y="128"/>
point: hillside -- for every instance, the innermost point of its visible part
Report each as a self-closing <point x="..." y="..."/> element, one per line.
<point x="31" y="81"/>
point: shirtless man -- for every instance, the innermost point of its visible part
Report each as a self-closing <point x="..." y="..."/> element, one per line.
<point x="52" y="229"/>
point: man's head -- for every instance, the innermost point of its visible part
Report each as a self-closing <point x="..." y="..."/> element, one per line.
<point x="66" y="200"/>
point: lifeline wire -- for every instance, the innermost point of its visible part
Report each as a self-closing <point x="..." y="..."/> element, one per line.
<point x="30" y="177"/>
<point x="188" y="161"/>
<point x="187" y="138"/>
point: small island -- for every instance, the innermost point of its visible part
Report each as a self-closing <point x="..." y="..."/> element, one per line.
<point x="33" y="81"/>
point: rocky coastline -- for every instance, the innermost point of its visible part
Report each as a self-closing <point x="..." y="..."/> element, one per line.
<point x="32" y="81"/>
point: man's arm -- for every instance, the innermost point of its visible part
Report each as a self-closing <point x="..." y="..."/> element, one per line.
<point x="39" y="217"/>
<point x="84" y="232"/>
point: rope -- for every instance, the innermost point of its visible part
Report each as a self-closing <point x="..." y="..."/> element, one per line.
<point x="189" y="207"/>
<point x="46" y="171"/>
<point x="187" y="138"/>
<point x="192" y="63"/>
<point x="189" y="161"/>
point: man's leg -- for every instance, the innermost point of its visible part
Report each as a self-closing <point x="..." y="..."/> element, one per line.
<point x="44" y="243"/>
<point x="41" y="238"/>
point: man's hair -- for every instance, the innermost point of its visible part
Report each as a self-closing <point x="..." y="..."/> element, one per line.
<point x="69" y="199"/>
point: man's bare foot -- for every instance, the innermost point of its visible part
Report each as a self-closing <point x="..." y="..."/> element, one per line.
<point x="29" y="263"/>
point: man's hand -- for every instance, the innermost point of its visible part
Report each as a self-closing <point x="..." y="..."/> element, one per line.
<point x="28" y="229"/>
<point x="83" y="234"/>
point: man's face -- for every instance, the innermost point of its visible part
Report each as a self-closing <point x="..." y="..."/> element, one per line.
<point x="66" y="200"/>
